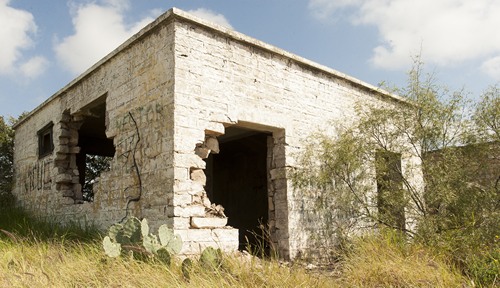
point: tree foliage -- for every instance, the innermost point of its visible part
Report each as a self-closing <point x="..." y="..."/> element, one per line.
<point x="94" y="166"/>
<point x="455" y="205"/>
<point x="487" y="115"/>
<point x="6" y="159"/>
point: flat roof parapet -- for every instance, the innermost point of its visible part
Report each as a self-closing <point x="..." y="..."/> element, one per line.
<point x="178" y="14"/>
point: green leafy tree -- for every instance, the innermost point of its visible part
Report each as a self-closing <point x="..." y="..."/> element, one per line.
<point x="371" y="169"/>
<point x="6" y="159"/>
<point x="94" y="166"/>
<point x="487" y="115"/>
<point x="433" y="119"/>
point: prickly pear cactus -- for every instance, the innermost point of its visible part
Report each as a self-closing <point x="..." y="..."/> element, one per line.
<point x="164" y="256"/>
<point x="211" y="258"/>
<point x="187" y="266"/>
<point x="151" y="243"/>
<point x="110" y="248"/>
<point x="144" y="228"/>
<point x="171" y="242"/>
<point x="134" y="235"/>
<point x="130" y="232"/>
<point x="114" y="230"/>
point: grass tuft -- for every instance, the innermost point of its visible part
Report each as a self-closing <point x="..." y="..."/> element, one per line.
<point x="387" y="260"/>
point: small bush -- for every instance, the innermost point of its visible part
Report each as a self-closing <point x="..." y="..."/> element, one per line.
<point x="484" y="267"/>
<point x="474" y="249"/>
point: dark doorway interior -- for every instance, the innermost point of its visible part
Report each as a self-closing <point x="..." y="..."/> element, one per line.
<point x="96" y="150"/>
<point x="237" y="179"/>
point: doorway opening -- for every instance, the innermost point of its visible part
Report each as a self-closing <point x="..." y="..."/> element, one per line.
<point x="237" y="179"/>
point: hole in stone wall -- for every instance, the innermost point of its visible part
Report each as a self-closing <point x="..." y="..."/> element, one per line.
<point x="96" y="150"/>
<point x="237" y="179"/>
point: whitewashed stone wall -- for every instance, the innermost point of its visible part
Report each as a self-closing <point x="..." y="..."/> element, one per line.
<point x="138" y="83"/>
<point x="224" y="78"/>
<point x="171" y="91"/>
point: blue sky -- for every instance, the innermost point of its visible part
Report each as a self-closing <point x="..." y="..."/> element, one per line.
<point x="45" y="44"/>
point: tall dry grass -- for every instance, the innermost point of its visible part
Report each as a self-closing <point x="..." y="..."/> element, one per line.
<point x="36" y="253"/>
<point x="387" y="260"/>
<point x="31" y="263"/>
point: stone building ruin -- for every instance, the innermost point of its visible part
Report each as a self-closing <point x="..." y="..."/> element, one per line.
<point x="195" y="117"/>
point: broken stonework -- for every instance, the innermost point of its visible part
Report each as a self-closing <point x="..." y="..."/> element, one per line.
<point x="210" y="145"/>
<point x="198" y="175"/>
<point x="206" y="222"/>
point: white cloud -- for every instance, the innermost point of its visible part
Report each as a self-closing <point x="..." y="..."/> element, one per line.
<point x="99" y="28"/>
<point x="16" y="29"/>
<point x="34" y="67"/>
<point x="211" y="16"/>
<point x="448" y="32"/>
<point x="492" y="67"/>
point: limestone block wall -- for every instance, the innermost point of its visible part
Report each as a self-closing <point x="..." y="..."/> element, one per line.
<point x="171" y="92"/>
<point x="224" y="78"/>
<point x="137" y="84"/>
<point x="35" y="177"/>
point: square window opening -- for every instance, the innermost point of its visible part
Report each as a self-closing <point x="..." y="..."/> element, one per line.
<point x="45" y="141"/>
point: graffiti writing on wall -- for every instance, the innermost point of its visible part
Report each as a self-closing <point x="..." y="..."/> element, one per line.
<point x="125" y="148"/>
<point x="37" y="176"/>
<point x="148" y="119"/>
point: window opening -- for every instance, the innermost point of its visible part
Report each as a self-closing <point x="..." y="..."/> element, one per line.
<point x="237" y="179"/>
<point x="390" y="196"/>
<point x="45" y="140"/>
<point x="96" y="150"/>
